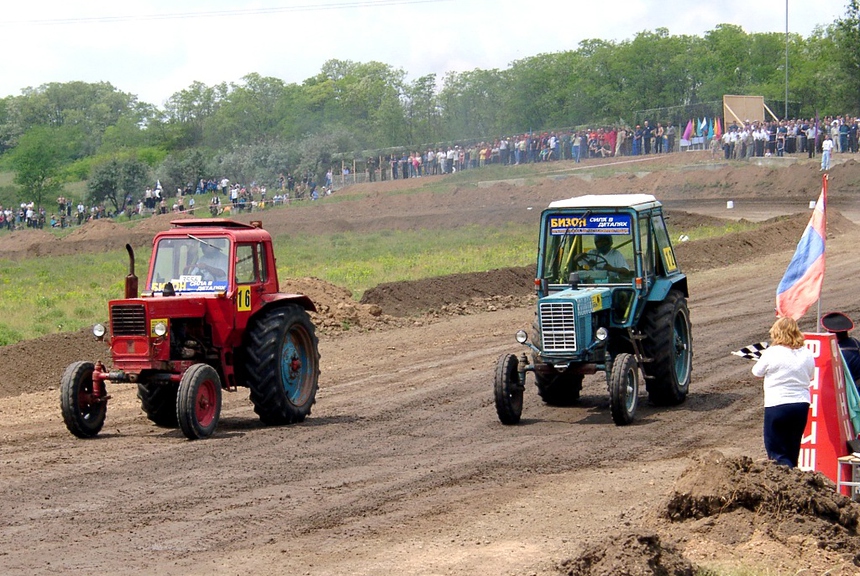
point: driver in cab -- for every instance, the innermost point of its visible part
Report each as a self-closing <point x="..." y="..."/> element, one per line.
<point x="605" y="257"/>
<point x="212" y="264"/>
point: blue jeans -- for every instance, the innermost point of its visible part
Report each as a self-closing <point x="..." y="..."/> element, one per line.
<point x="783" y="431"/>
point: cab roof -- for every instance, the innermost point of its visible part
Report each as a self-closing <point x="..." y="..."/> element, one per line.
<point x="636" y="201"/>
<point x="212" y="223"/>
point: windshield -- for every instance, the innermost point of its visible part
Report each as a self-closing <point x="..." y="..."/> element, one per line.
<point x="191" y="264"/>
<point x="599" y="247"/>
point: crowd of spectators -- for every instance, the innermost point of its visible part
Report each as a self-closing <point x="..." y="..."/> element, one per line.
<point x="28" y="215"/>
<point x="740" y="140"/>
<point x="527" y="148"/>
<point x="778" y="138"/>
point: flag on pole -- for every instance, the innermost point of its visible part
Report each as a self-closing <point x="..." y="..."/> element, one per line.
<point x="688" y="131"/>
<point x="718" y="130"/>
<point x="801" y="285"/>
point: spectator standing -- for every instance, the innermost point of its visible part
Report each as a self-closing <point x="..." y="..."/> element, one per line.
<point x="647" y="134"/>
<point x="826" y="151"/>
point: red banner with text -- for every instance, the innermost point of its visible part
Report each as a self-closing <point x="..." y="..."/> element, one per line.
<point x="828" y="427"/>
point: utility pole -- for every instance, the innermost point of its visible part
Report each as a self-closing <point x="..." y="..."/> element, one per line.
<point x="785" y="117"/>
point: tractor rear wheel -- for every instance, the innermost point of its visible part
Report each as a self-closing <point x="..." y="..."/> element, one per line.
<point x="508" y="390"/>
<point x="624" y="389"/>
<point x="198" y="401"/>
<point x="669" y="343"/>
<point x="83" y="413"/>
<point x="281" y="357"/>
<point x="158" y="401"/>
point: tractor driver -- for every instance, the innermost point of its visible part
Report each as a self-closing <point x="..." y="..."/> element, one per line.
<point x="605" y="257"/>
<point x="212" y="263"/>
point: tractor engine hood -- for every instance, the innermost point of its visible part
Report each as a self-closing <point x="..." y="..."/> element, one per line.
<point x="567" y="319"/>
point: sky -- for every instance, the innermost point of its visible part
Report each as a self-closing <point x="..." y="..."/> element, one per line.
<point x="155" y="48"/>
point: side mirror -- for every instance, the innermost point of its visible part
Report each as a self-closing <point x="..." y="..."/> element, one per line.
<point x="573" y="280"/>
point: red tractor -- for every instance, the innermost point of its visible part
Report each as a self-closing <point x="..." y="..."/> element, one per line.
<point x="210" y="317"/>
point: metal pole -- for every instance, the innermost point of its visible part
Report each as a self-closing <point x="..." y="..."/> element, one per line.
<point x="786" y="61"/>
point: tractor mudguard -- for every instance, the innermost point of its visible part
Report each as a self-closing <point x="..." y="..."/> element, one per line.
<point x="662" y="286"/>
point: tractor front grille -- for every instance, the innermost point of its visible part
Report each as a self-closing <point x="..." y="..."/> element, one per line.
<point x="128" y="320"/>
<point x="558" y="326"/>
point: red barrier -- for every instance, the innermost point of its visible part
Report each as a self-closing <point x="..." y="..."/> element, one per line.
<point x="828" y="427"/>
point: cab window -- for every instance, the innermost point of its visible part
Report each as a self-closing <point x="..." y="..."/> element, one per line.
<point x="666" y="254"/>
<point x="246" y="264"/>
<point x="262" y="263"/>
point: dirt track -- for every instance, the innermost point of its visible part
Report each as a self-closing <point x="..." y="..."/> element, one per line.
<point x="403" y="466"/>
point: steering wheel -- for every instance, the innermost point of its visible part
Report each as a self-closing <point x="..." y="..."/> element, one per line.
<point x="596" y="258"/>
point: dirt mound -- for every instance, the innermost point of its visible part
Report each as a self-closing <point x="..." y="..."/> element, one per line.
<point x="689" y="221"/>
<point x="28" y="242"/>
<point x="36" y="365"/>
<point x="754" y="507"/>
<point x="337" y="311"/>
<point x="762" y="515"/>
<point x="772" y="236"/>
<point x="444" y="292"/>
<point x="634" y="553"/>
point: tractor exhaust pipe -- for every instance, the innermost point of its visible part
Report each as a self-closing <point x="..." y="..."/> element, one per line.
<point x="131" y="279"/>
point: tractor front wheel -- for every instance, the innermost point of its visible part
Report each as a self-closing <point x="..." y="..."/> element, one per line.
<point x="282" y="360"/>
<point x="624" y="389"/>
<point x="83" y="412"/>
<point x="159" y="402"/>
<point x="508" y="389"/>
<point x="198" y="402"/>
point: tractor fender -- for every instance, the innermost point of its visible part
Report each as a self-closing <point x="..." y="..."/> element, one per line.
<point x="281" y="298"/>
<point x="662" y="286"/>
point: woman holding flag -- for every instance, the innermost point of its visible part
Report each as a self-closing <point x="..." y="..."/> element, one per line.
<point x="787" y="367"/>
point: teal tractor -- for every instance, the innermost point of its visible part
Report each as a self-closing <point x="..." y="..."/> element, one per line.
<point x="611" y="299"/>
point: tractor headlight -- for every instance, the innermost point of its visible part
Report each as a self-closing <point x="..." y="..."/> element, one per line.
<point x="99" y="330"/>
<point x="160" y="329"/>
<point x="521" y="336"/>
<point x="602" y="334"/>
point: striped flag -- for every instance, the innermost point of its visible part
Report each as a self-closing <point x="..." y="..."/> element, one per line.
<point x="801" y="285"/>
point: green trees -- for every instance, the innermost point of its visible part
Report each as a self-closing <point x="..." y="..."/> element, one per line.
<point x="846" y="34"/>
<point x="118" y="182"/>
<point x="260" y="126"/>
<point x="36" y="161"/>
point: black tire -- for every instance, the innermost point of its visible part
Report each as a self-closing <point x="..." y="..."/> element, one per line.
<point x="282" y="359"/>
<point x="83" y="414"/>
<point x="158" y="402"/>
<point x="669" y="343"/>
<point x="508" y="390"/>
<point x="198" y="401"/>
<point x="624" y="389"/>
<point x="554" y="388"/>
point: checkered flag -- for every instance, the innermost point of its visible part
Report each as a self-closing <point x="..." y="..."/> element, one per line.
<point x="751" y="352"/>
